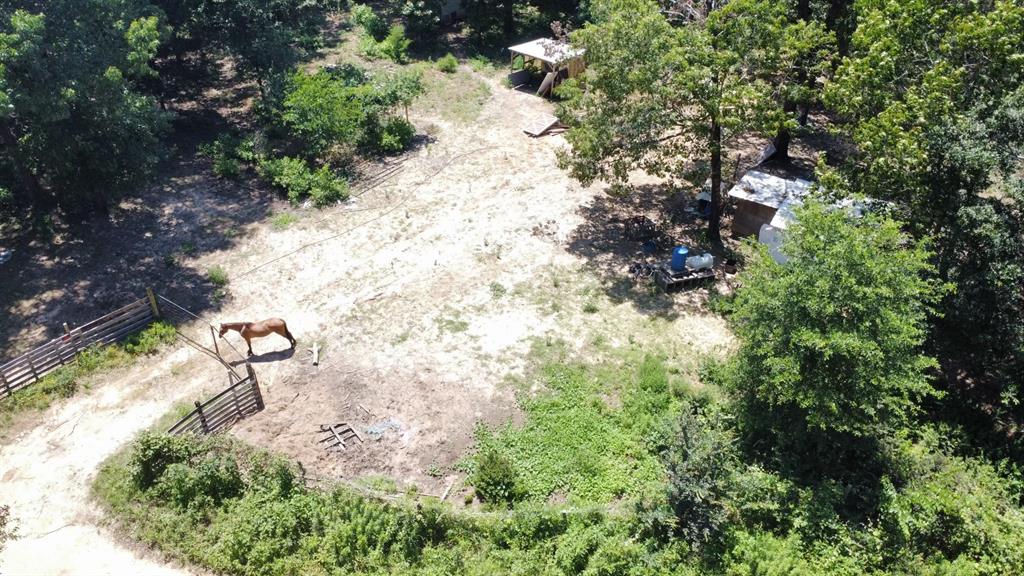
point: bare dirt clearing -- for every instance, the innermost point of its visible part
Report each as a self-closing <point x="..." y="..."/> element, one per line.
<point x="426" y="292"/>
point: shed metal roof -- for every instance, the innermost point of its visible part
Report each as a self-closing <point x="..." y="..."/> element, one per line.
<point x="547" y="50"/>
<point x="768" y="190"/>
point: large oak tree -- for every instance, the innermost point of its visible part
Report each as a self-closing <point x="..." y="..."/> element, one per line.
<point x="666" y="87"/>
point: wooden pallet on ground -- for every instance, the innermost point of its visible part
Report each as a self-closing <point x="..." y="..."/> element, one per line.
<point x="541" y="125"/>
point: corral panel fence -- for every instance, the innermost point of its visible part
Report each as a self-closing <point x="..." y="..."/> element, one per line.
<point x="113" y="327"/>
<point x="241" y="399"/>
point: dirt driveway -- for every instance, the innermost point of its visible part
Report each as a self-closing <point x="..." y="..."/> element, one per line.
<point x="425" y="293"/>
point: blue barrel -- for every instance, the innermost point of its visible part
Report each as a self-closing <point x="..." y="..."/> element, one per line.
<point x="679" y="258"/>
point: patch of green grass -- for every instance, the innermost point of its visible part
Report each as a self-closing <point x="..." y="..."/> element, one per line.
<point x="498" y="290"/>
<point x="482" y="64"/>
<point x="283" y="220"/>
<point x="585" y="433"/>
<point x="590" y="308"/>
<point x="217" y="276"/>
<point x="68" y="379"/>
<point x="458" y="97"/>
<point x="188" y="249"/>
<point x="452" y="324"/>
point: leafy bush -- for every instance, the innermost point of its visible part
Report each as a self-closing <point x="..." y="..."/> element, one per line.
<point x="395" y="46"/>
<point x="8" y="531"/>
<point x="422" y="20"/>
<point x="151" y="339"/>
<point x="227" y="153"/>
<point x="701" y="463"/>
<point x="448" y="63"/>
<point x="763" y="554"/>
<point x="955" y="507"/>
<point x="395" y="135"/>
<point x="201" y="486"/>
<point x="495" y="478"/>
<point x="323" y="110"/>
<point x="218" y="276"/>
<point x="153" y="453"/>
<point x="364" y="17"/>
<point x="297" y="180"/>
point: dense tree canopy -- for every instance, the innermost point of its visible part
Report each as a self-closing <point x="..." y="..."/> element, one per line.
<point x="78" y="124"/>
<point x="72" y="126"/>
<point x="934" y="93"/>
<point x="836" y="332"/>
<point x="664" y="91"/>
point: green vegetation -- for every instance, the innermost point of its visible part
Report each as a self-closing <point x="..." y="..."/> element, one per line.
<point x="79" y="97"/>
<point x="283" y="220"/>
<point x="217" y="276"/>
<point x="66" y="380"/>
<point x="298" y="181"/>
<point x="241" y="511"/>
<point x="448" y="63"/>
<point x="8" y="530"/>
<point x="436" y="99"/>
<point x="584" y="436"/>
<point x="347" y="107"/>
<point x="650" y="76"/>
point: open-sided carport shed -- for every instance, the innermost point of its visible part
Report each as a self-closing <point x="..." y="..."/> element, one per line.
<point x="558" y="60"/>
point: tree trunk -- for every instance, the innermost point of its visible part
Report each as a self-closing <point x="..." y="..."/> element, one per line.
<point x="803" y="10"/>
<point x="714" y="219"/>
<point x="837" y="13"/>
<point x="783" y="137"/>
<point x="509" y="21"/>
<point x="29" y="189"/>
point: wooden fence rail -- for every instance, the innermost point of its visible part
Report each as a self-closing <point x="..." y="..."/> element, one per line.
<point x="241" y="399"/>
<point x="35" y="364"/>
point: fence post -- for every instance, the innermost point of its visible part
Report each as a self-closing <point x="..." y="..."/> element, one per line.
<point x="32" y="366"/>
<point x="56" y="348"/>
<point x="255" y="386"/>
<point x="213" y="336"/>
<point x="152" y="303"/>
<point x="5" y="383"/>
<point x="202" y="418"/>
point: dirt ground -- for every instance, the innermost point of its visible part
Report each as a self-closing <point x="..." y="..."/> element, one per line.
<point x="425" y="293"/>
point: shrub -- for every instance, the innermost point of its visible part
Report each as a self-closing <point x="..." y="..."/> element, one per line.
<point x="395" y="46"/>
<point x="218" y="276"/>
<point x="206" y="484"/>
<point x="495" y="478"/>
<point x="395" y="136"/>
<point x="364" y="17"/>
<point x="227" y="153"/>
<point x="150" y="339"/>
<point x="7" y="529"/>
<point x="370" y="48"/>
<point x="448" y="63"/>
<point x="322" y="110"/>
<point x="958" y="508"/>
<point x="701" y="462"/>
<point x="153" y="453"/>
<point x="422" y="20"/>
<point x="296" y="179"/>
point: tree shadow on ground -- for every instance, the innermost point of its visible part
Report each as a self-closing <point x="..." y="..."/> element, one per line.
<point x="151" y="239"/>
<point x="602" y="241"/>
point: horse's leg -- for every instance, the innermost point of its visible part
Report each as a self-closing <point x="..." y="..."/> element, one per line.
<point x="283" y="332"/>
<point x="248" y="342"/>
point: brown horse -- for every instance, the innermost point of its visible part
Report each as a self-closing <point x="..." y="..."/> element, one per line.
<point x="250" y="330"/>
